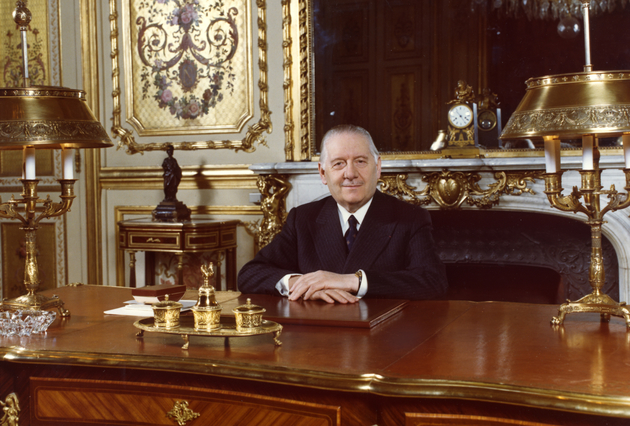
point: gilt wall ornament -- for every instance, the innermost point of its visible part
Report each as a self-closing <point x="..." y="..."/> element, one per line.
<point x="188" y="70"/>
<point x="450" y="190"/>
<point x="274" y="190"/>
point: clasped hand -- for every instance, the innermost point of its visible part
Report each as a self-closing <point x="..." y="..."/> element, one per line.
<point x="323" y="285"/>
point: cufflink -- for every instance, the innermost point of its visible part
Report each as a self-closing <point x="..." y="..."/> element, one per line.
<point x="359" y="275"/>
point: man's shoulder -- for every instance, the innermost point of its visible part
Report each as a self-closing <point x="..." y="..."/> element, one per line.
<point x="395" y="202"/>
<point x="401" y="210"/>
<point x="313" y="207"/>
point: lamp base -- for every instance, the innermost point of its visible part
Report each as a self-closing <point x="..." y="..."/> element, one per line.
<point x="35" y="302"/>
<point x="594" y="302"/>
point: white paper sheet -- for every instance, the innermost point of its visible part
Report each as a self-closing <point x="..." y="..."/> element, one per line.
<point x="136" y="309"/>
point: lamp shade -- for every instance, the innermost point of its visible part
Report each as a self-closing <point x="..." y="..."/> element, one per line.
<point x="567" y="106"/>
<point x="48" y="117"/>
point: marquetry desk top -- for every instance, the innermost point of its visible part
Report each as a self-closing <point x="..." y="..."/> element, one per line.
<point x="483" y="351"/>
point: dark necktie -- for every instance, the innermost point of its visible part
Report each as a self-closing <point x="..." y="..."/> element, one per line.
<point x="351" y="233"/>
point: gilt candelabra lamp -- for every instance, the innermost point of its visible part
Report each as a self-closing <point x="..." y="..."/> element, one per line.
<point x="33" y="118"/>
<point x="588" y="106"/>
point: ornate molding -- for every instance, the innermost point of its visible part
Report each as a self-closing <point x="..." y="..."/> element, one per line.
<point x="11" y="410"/>
<point x="450" y="190"/>
<point x="307" y="147"/>
<point x="274" y="190"/>
<point x="254" y="132"/>
<point x="287" y="45"/>
<point x="193" y="177"/>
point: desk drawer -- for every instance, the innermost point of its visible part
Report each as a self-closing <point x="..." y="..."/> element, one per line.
<point x="154" y="241"/>
<point x="202" y="241"/>
<point x="95" y="402"/>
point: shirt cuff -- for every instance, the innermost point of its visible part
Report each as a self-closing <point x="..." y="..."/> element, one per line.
<point x="283" y="285"/>
<point x="364" y="285"/>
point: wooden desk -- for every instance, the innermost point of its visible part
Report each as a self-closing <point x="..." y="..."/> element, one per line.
<point x="197" y="236"/>
<point x="434" y="363"/>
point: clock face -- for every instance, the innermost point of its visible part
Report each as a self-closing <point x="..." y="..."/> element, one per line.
<point x="460" y="116"/>
<point x="487" y="120"/>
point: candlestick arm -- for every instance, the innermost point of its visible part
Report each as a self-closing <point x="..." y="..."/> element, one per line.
<point x="7" y="210"/>
<point x="52" y="209"/>
<point x="618" y="201"/>
<point x="567" y="203"/>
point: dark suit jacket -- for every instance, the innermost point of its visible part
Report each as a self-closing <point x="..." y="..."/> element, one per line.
<point x="394" y="247"/>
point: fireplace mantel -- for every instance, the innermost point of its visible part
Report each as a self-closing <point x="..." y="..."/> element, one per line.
<point x="306" y="186"/>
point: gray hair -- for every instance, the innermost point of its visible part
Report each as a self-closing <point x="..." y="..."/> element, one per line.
<point x="347" y="128"/>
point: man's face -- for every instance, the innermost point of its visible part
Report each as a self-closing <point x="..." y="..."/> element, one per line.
<point x="350" y="170"/>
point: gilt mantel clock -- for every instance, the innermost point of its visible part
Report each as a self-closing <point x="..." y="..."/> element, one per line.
<point x="462" y="118"/>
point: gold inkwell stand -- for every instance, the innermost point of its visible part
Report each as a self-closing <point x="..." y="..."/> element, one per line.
<point x="206" y="318"/>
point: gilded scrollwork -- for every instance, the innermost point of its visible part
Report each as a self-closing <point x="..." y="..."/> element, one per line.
<point x="287" y="42"/>
<point x="274" y="190"/>
<point x="254" y="133"/>
<point x="517" y="182"/>
<point x="10" y="410"/>
<point x="450" y="189"/>
<point x="306" y="108"/>
<point x="181" y="413"/>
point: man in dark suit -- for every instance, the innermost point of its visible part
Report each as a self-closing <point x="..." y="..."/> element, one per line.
<point x="357" y="242"/>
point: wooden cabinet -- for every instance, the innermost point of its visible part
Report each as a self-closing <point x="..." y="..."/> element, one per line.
<point x="197" y="236"/>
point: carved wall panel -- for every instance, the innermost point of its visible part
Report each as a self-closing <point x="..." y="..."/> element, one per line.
<point x="190" y="58"/>
<point x="188" y="66"/>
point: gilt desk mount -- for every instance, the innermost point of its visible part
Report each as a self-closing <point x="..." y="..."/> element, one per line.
<point x="588" y="106"/>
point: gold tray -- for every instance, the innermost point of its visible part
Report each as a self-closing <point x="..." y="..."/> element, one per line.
<point x="228" y="329"/>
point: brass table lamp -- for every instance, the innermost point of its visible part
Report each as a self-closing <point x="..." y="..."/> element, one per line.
<point x="588" y="106"/>
<point x="42" y="117"/>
